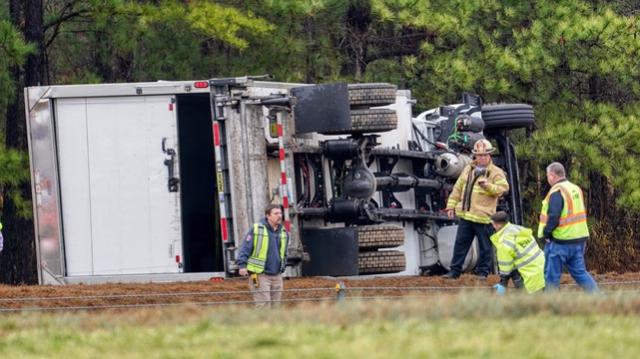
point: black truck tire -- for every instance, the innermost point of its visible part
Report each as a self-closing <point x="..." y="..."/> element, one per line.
<point x="381" y="262"/>
<point x="507" y="116"/>
<point x="369" y="120"/>
<point x="373" y="120"/>
<point x="372" y="94"/>
<point x="379" y="236"/>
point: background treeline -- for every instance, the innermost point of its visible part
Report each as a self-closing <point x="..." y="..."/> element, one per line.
<point x="575" y="61"/>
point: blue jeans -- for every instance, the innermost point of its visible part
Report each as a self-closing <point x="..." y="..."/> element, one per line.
<point x="571" y="255"/>
<point x="464" y="238"/>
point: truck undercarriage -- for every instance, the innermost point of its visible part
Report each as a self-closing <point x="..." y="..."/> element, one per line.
<point x="366" y="184"/>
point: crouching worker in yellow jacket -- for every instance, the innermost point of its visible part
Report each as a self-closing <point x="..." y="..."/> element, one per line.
<point x="517" y="250"/>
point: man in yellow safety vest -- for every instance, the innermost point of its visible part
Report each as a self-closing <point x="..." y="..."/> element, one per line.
<point x="563" y="226"/>
<point x="518" y="253"/>
<point x="263" y="256"/>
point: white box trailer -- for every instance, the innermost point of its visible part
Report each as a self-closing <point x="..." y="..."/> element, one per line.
<point x="102" y="203"/>
<point x="158" y="181"/>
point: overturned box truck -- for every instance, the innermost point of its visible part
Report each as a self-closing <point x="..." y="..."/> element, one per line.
<point x="160" y="181"/>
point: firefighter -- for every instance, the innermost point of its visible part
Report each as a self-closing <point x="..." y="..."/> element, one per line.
<point x="474" y="199"/>
<point x="263" y="255"/>
<point x="517" y="252"/>
<point x="563" y="226"/>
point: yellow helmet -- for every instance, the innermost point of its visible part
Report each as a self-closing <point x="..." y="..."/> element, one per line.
<point x="482" y="147"/>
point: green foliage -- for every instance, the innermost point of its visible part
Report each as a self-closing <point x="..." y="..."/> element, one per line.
<point x="14" y="171"/>
<point x="225" y="24"/>
<point x="575" y="63"/>
<point x="121" y="40"/>
<point x="13" y="52"/>
<point x="135" y="41"/>
<point x="602" y="138"/>
<point x="302" y="47"/>
<point x="4" y="10"/>
<point x="14" y="167"/>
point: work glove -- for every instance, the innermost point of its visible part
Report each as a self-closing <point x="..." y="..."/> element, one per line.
<point x="500" y="289"/>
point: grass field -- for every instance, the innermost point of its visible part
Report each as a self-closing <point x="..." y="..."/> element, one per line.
<point x="470" y="325"/>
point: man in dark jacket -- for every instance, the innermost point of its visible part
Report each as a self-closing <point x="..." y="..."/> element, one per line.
<point x="263" y="255"/>
<point x="563" y="226"/>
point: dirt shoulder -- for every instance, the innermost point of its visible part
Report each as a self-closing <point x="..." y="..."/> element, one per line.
<point x="236" y="290"/>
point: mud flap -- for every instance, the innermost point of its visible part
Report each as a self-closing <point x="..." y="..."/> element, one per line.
<point x="332" y="252"/>
<point x="321" y="108"/>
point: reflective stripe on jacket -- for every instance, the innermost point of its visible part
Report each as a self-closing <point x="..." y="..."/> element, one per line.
<point x="258" y="258"/>
<point x="475" y="203"/>
<point x="517" y="249"/>
<point x="573" y="219"/>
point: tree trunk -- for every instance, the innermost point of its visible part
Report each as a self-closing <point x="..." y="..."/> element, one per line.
<point x="311" y="49"/>
<point x="18" y="261"/>
<point x="101" y="63"/>
<point x="35" y="70"/>
<point x="358" y="20"/>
